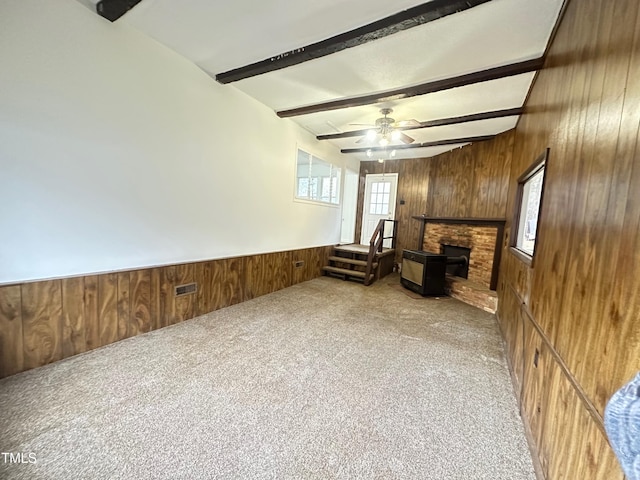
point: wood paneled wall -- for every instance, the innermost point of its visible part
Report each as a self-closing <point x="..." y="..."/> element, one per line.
<point x="45" y="321"/>
<point x="471" y="182"/>
<point x="578" y="306"/>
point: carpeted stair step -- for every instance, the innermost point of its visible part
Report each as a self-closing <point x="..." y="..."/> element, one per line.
<point x="346" y="272"/>
<point x="351" y="261"/>
<point x="362" y="250"/>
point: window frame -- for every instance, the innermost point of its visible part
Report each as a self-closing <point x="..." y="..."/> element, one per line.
<point x="540" y="164"/>
<point x="338" y="180"/>
<point x="379" y="198"/>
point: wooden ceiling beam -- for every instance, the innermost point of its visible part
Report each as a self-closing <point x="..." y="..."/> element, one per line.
<point x="509" y="112"/>
<point x="437" y="143"/>
<point x="412" y="17"/>
<point x="495" y="73"/>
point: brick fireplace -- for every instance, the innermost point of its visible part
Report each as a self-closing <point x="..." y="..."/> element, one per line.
<point x="480" y="240"/>
<point x="483" y="239"/>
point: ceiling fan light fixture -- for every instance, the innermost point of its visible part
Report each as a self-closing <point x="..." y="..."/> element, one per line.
<point x="381" y="160"/>
<point x="386" y="131"/>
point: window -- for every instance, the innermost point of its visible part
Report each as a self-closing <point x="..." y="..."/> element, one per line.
<point x="317" y="180"/>
<point x="528" y="201"/>
<point x="380" y="192"/>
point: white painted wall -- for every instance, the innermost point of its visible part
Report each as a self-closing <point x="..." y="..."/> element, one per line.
<point x="117" y="153"/>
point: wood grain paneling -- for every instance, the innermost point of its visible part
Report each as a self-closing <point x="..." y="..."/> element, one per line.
<point x="520" y="273"/>
<point x="124" y="304"/>
<point x="11" y="346"/>
<point x="175" y="309"/>
<point x="91" y="312"/>
<point x="257" y="276"/>
<point x="155" y="299"/>
<point x="413" y="187"/>
<point x="314" y="263"/>
<point x="74" y="338"/>
<point x="583" y="290"/>
<point x="313" y="260"/>
<point x="232" y="281"/>
<point x="108" y="308"/>
<point x="219" y="285"/>
<point x="624" y="303"/>
<point x="569" y="443"/>
<point x="572" y="445"/>
<point x="279" y="264"/>
<point x="167" y="280"/>
<point x="266" y="273"/>
<point x="472" y="181"/>
<point x="303" y="271"/>
<point x="597" y="229"/>
<point x="185" y="305"/>
<point x="41" y="322"/>
<point x="536" y="358"/>
<point x="511" y="326"/>
<point x="140" y="303"/>
<point x="206" y="295"/>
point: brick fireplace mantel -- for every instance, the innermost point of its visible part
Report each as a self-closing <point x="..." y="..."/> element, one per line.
<point x="466" y="232"/>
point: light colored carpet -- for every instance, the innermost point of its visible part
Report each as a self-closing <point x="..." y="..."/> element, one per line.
<point x="326" y="379"/>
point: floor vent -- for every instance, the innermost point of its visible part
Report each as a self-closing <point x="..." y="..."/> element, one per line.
<point x="186" y="289"/>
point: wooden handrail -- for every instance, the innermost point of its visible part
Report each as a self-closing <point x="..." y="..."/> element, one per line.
<point x="375" y="245"/>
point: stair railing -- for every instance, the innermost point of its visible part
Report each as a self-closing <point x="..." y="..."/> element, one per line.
<point x="375" y="245"/>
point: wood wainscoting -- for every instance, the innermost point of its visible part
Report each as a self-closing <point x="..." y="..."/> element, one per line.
<point x="45" y="321"/>
<point x="565" y="431"/>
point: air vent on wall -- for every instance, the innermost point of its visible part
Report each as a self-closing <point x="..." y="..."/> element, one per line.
<point x="114" y="9"/>
<point x="186" y="289"/>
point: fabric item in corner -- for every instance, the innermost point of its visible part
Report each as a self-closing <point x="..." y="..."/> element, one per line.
<point x="622" y="423"/>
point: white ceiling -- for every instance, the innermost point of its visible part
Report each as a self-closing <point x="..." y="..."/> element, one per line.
<point x="220" y="36"/>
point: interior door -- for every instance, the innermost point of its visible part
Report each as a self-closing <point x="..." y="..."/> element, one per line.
<point x="379" y="202"/>
<point x="349" y="206"/>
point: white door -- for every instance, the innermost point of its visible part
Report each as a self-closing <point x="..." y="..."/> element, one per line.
<point x="349" y="206"/>
<point x="379" y="202"/>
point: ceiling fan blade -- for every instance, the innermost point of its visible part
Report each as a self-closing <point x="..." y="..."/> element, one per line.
<point x="406" y="138"/>
<point x="363" y="125"/>
<point x="408" y="123"/>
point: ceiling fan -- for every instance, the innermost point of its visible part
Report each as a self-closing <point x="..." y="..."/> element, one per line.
<point x="387" y="130"/>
